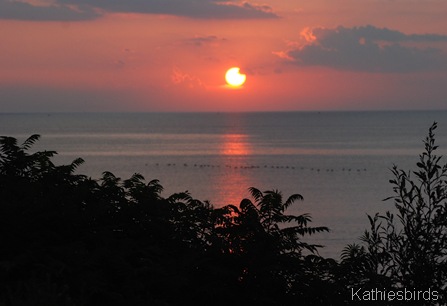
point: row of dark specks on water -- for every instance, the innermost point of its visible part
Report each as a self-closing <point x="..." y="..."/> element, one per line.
<point x="261" y="167"/>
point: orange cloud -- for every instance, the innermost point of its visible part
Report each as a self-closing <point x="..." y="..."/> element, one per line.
<point x="178" y="77"/>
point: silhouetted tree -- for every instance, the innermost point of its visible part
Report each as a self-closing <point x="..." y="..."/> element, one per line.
<point x="267" y="254"/>
<point x="408" y="249"/>
<point x="71" y="240"/>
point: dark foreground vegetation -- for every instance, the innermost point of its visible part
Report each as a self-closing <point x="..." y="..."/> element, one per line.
<point x="67" y="239"/>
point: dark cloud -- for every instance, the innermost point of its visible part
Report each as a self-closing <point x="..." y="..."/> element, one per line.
<point x="368" y="49"/>
<point x="199" y="41"/>
<point x="187" y="8"/>
<point x="89" y="9"/>
<point x="25" y="11"/>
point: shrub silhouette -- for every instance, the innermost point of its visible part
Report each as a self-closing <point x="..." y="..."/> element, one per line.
<point x="72" y="240"/>
<point x="68" y="239"/>
<point x="408" y="249"/>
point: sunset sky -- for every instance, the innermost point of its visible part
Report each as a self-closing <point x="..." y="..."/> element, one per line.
<point x="172" y="55"/>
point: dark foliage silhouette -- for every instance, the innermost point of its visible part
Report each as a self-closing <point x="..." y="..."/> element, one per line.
<point x="408" y="249"/>
<point x="72" y="240"/>
<point x="68" y="239"/>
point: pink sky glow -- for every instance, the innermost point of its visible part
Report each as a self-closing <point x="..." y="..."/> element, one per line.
<point x="172" y="55"/>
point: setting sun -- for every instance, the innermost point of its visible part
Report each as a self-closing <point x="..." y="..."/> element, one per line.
<point x="234" y="78"/>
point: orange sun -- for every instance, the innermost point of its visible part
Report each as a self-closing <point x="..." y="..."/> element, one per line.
<point x="234" y="78"/>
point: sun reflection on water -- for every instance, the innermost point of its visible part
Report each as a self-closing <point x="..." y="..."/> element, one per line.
<point x="235" y="144"/>
<point x="235" y="176"/>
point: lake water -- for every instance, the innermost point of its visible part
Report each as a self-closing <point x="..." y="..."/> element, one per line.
<point x="338" y="161"/>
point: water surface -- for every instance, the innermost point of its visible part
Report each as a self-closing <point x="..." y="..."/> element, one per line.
<point x="338" y="161"/>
